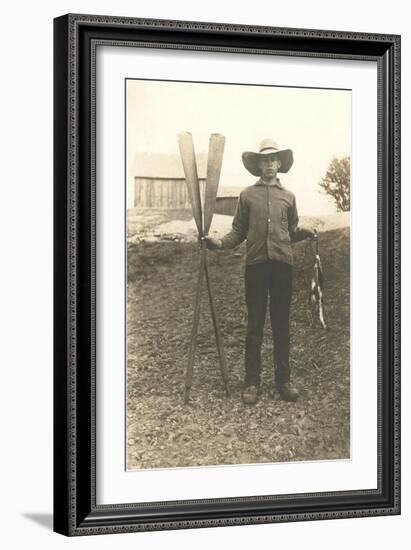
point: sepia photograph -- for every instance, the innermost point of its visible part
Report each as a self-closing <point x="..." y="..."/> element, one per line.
<point x="238" y="274"/>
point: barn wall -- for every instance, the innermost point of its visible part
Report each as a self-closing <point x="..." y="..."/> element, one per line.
<point x="161" y="193"/>
<point x="225" y="205"/>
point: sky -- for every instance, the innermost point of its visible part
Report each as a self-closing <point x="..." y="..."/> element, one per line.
<point x="314" y="123"/>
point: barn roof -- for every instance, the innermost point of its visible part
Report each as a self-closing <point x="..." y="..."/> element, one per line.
<point x="158" y="165"/>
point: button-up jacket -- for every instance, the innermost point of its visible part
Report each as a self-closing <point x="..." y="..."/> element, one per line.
<point x="266" y="215"/>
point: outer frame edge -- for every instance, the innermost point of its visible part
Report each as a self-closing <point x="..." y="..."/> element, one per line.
<point x="60" y="382"/>
<point x="76" y="530"/>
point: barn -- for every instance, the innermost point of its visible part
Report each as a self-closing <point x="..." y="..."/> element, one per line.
<point x="157" y="181"/>
<point x="227" y="198"/>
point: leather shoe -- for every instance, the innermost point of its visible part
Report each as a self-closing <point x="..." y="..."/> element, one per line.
<point x="287" y="392"/>
<point x="250" y="395"/>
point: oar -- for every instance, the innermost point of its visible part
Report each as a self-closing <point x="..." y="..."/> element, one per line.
<point x="214" y="162"/>
<point x="188" y="158"/>
<point x="215" y="157"/>
<point x="217" y="332"/>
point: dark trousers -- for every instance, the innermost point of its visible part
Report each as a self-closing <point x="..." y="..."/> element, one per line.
<point x="269" y="280"/>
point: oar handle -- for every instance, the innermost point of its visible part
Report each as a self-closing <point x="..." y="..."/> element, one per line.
<point x="194" y="330"/>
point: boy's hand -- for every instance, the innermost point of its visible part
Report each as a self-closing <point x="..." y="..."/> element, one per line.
<point x="308" y="234"/>
<point x="212" y="244"/>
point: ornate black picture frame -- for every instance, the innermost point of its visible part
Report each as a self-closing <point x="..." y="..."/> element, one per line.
<point x="76" y="38"/>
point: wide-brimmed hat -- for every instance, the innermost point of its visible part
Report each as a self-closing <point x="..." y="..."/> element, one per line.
<point x="267" y="147"/>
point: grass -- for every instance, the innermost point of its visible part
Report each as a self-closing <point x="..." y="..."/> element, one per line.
<point x="212" y="429"/>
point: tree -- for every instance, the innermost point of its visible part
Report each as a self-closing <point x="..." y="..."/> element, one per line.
<point x="336" y="182"/>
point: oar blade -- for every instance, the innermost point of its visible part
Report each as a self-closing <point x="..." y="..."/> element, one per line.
<point x="188" y="159"/>
<point x="214" y="163"/>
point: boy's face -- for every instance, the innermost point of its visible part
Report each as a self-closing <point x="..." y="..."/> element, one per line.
<point x="269" y="166"/>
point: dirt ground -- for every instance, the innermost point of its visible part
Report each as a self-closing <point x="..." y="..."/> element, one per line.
<point x="214" y="430"/>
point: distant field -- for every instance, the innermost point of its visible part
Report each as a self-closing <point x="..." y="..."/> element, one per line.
<point x="156" y="224"/>
<point x="162" y="431"/>
<point x="145" y="221"/>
